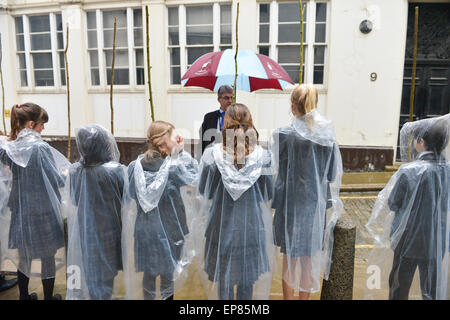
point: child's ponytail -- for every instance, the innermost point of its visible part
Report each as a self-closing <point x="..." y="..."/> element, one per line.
<point x="22" y="113"/>
<point x="14" y="122"/>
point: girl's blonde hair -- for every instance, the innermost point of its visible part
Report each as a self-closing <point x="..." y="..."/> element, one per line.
<point x="238" y="122"/>
<point x="22" y="113"/>
<point x="304" y="98"/>
<point x="155" y="138"/>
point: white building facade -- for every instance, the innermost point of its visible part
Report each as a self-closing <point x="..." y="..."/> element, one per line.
<point x="359" y="75"/>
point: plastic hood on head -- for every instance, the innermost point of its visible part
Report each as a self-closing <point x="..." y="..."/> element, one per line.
<point x="96" y="145"/>
<point x="417" y="129"/>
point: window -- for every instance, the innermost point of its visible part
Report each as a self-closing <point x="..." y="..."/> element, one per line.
<point x="40" y="50"/>
<point x="225" y="27"/>
<point x="60" y="49"/>
<point x="20" y="46"/>
<point x="194" y="31"/>
<point x="129" y="63"/>
<point x="174" y="46"/>
<point x="279" y="37"/>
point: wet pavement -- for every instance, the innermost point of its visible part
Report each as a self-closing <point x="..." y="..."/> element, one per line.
<point x="358" y="207"/>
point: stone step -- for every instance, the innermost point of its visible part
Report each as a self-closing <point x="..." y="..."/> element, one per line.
<point x="359" y="187"/>
<point x="394" y="167"/>
<point x="365" y="181"/>
<point x="366" y="177"/>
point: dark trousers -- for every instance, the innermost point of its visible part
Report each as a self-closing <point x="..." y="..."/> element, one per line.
<point x="243" y="291"/>
<point x="402" y="275"/>
<point x="149" y="284"/>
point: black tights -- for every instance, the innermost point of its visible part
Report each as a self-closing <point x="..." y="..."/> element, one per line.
<point x="244" y="291"/>
<point x="149" y="286"/>
<point x="48" y="270"/>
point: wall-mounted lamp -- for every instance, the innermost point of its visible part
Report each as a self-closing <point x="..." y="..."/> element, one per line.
<point x="365" y="26"/>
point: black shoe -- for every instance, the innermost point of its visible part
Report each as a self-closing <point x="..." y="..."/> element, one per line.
<point x="32" y="296"/>
<point x="7" y="284"/>
<point x="55" y="297"/>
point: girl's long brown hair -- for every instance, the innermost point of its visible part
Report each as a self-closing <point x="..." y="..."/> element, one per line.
<point x="155" y="134"/>
<point x="22" y="113"/>
<point x="240" y="136"/>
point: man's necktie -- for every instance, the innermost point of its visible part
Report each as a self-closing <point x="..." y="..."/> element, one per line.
<point x="222" y="117"/>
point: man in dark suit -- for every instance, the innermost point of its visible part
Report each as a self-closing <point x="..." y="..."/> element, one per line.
<point x="213" y="121"/>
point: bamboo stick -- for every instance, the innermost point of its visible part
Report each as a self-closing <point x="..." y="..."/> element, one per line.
<point x="235" y="55"/>
<point x="112" y="76"/>
<point x="302" y="11"/>
<point x="413" y="80"/>
<point x="68" y="93"/>
<point x="149" y="67"/>
<point x="3" y="104"/>
<point x="3" y="89"/>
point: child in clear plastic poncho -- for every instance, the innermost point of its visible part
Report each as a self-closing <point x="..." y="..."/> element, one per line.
<point x="306" y="199"/>
<point x="93" y="203"/>
<point x="234" y="230"/>
<point x="410" y="220"/>
<point x="156" y="236"/>
<point x="31" y="225"/>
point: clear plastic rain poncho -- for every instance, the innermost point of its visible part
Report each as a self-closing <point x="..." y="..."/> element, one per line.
<point x="157" y="242"/>
<point x="92" y="203"/>
<point x="306" y="199"/>
<point x="32" y="176"/>
<point x="234" y="225"/>
<point x="410" y="220"/>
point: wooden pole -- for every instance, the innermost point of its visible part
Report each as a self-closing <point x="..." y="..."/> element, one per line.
<point x="68" y="93"/>
<point x="3" y="104"/>
<point x="149" y="67"/>
<point x="3" y="89"/>
<point x="302" y="11"/>
<point x="235" y="55"/>
<point x="112" y="76"/>
<point x="413" y="80"/>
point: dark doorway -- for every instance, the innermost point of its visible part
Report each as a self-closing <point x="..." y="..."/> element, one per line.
<point x="432" y="92"/>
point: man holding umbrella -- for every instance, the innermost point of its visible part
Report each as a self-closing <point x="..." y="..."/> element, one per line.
<point x="213" y="121"/>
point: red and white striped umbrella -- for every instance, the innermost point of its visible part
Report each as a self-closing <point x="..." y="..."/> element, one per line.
<point x="255" y="71"/>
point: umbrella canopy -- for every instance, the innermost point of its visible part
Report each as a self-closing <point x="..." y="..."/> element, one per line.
<point x="255" y="71"/>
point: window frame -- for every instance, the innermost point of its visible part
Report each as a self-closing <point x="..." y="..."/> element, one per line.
<point x="101" y="49"/>
<point x="28" y="52"/>
<point x="309" y="44"/>
<point x="182" y="35"/>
